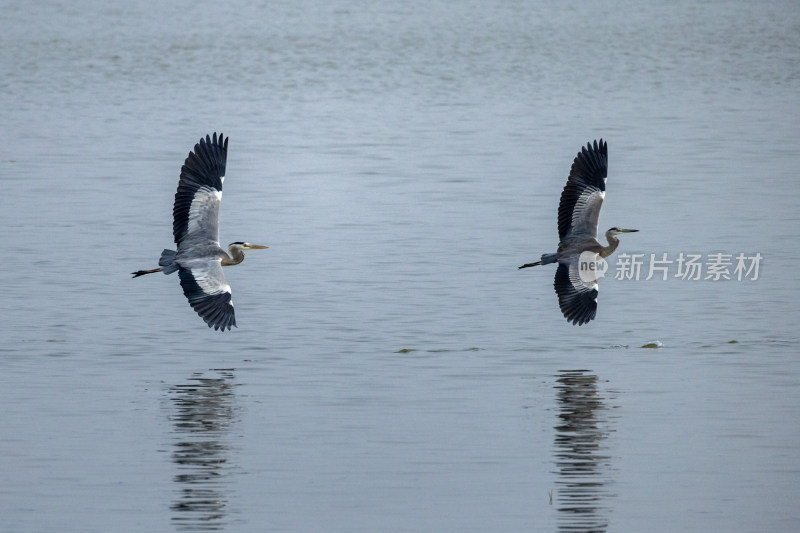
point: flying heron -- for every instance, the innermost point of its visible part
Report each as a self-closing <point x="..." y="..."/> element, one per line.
<point x="576" y="278"/>
<point x="199" y="258"/>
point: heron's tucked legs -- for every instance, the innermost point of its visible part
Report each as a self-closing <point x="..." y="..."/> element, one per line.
<point x="143" y="272"/>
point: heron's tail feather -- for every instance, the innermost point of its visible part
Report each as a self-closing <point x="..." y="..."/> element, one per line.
<point x="167" y="262"/>
<point x="545" y="260"/>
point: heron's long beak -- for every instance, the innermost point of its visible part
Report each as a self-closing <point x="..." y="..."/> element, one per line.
<point x="259" y="247"/>
<point x="628" y="230"/>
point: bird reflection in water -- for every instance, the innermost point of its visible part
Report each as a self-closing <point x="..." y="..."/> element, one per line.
<point x="203" y="413"/>
<point x="584" y="470"/>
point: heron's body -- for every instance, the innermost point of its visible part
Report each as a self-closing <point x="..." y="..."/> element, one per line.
<point x="199" y="258"/>
<point x="578" y="214"/>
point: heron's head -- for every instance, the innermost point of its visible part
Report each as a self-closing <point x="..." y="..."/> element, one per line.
<point x="619" y="231"/>
<point x="246" y="246"/>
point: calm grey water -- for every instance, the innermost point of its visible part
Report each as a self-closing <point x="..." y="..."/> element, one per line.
<point x="393" y="370"/>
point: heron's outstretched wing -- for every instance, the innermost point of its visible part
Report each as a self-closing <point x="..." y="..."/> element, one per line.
<point x="584" y="192"/>
<point x="208" y="293"/>
<point x="196" y="210"/>
<point x="577" y="298"/>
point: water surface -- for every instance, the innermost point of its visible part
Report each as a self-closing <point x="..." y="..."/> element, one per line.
<point x="392" y="369"/>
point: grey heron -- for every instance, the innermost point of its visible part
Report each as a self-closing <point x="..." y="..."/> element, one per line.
<point x="199" y="258"/>
<point x="578" y="212"/>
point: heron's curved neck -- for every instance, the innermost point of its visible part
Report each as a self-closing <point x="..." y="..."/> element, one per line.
<point x="613" y="242"/>
<point x="236" y="257"/>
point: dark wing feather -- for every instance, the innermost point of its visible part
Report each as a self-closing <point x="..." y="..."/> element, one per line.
<point x="577" y="299"/>
<point x="200" y="189"/>
<point x="583" y="194"/>
<point x="208" y="293"/>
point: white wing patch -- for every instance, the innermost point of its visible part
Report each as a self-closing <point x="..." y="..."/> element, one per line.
<point x="208" y="281"/>
<point x="577" y="297"/>
<point x="584" y="204"/>
<point x="205" y="199"/>
<point x="208" y="293"/>
<point x="580" y="283"/>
